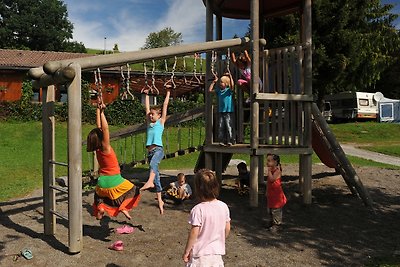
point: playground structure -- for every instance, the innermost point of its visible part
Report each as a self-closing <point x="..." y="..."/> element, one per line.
<point x="280" y="111"/>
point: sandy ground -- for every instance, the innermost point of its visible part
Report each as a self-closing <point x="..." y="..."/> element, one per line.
<point x="336" y="230"/>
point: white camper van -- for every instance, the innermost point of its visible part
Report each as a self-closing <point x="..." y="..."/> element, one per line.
<point x="353" y="105"/>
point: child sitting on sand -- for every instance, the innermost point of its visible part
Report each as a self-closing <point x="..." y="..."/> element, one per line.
<point x="179" y="190"/>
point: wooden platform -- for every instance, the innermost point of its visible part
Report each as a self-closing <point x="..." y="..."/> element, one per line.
<point x="261" y="150"/>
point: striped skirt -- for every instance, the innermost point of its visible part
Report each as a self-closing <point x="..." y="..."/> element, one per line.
<point x="114" y="194"/>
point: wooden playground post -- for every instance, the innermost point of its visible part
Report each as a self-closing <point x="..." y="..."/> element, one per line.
<point x="306" y="159"/>
<point x="218" y="155"/>
<point x="48" y="146"/>
<point x="208" y="105"/>
<point x="254" y="142"/>
<point x="75" y="162"/>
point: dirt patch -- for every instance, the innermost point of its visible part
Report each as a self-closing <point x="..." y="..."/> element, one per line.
<point x="336" y="230"/>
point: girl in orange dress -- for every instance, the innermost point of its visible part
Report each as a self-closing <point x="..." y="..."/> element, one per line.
<point x="113" y="193"/>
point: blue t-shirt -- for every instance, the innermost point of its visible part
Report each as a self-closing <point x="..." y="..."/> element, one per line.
<point x="225" y="99"/>
<point x="154" y="134"/>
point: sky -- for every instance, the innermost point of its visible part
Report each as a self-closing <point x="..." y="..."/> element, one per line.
<point x="129" y="22"/>
<point x="103" y="23"/>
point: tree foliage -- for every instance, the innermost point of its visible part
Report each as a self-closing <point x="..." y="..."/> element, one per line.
<point x="36" y="25"/>
<point x="165" y="37"/>
<point x="354" y="42"/>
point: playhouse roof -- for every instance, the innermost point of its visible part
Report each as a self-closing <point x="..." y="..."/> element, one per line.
<point x="26" y="59"/>
<point x="240" y="9"/>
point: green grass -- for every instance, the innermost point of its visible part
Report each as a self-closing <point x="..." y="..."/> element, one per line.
<point x="392" y="150"/>
<point x="21" y="156"/>
<point x="378" y="137"/>
<point x="21" y="151"/>
<point x="372" y="133"/>
<point x="365" y="162"/>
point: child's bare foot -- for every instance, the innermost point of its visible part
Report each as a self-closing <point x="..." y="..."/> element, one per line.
<point x="100" y="214"/>
<point x="126" y="213"/>
<point x="146" y="186"/>
<point x="161" y="207"/>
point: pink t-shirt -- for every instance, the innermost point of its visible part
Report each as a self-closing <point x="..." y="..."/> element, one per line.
<point x="212" y="217"/>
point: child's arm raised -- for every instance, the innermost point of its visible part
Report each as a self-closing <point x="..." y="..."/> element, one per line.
<point x="98" y="116"/>
<point x="147" y="105"/>
<point x="246" y="54"/>
<point x="232" y="83"/>
<point x="193" y="234"/>
<point x="165" y="107"/>
<point x="104" y="127"/>
<point x="233" y="57"/>
<point x="212" y="84"/>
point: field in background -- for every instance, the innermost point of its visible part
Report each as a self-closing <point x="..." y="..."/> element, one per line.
<point x="21" y="150"/>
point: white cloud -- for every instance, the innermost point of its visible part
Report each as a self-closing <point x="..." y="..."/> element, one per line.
<point x="128" y="22"/>
<point x="187" y="17"/>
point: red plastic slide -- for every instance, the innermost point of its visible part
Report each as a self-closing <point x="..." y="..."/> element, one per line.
<point x="322" y="149"/>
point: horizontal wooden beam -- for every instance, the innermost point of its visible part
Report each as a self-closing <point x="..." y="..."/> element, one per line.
<point x="234" y="149"/>
<point x="261" y="150"/>
<point x="113" y="60"/>
<point x="285" y="150"/>
<point x="283" y="97"/>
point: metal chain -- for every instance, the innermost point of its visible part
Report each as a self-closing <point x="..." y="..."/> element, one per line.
<point x="128" y="81"/>
<point x="123" y="93"/>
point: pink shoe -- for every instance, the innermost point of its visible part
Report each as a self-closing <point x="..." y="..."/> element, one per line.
<point x="117" y="246"/>
<point x="124" y="229"/>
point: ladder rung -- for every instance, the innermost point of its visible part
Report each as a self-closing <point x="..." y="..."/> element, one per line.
<point x="59" y="188"/>
<point x="58" y="163"/>
<point x="59" y="215"/>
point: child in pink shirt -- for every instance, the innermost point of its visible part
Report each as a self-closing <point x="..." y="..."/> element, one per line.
<point x="210" y="222"/>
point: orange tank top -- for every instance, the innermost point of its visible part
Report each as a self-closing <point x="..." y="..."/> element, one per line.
<point x="108" y="162"/>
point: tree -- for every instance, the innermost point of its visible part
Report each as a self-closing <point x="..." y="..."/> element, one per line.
<point x="351" y="49"/>
<point x="165" y="37"/>
<point x="36" y="25"/>
<point x="74" y="47"/>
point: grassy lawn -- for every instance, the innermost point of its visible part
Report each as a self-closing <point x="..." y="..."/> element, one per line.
<point x="378" y="137"/>
<point x="21" y="153"/>
<point x="367" y="133"/>
<point x="21" y="156"/>
<point x="392" y="150"/>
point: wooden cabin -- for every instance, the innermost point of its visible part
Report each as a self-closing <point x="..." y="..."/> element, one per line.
<point x="14" y="65"/>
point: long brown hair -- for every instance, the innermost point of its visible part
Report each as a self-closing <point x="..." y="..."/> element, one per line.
<point x="94" y="139"/>
<point x="206" y="185"/>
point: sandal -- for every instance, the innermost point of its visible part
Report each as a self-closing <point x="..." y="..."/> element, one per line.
<point x="124" y="229"/>
<point x="27" y="254"/>
<point x="117" y="246"/>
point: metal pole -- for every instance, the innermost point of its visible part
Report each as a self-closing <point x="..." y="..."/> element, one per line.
<point x="306" y="160"/>
<point x="75" y="162"/>
<point x="105" y="40"/>
<point x="208" y="99"/>
<point x="255" y="64"/>
<point x="48" y="141"/>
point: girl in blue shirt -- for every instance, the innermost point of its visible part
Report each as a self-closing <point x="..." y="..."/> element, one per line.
<point x="155" y="118"/>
